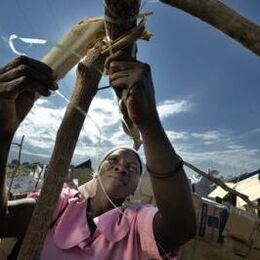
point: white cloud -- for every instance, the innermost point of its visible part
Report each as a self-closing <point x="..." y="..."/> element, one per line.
<point x="119" y="138"/>
<point x="37" y="154"/>
<point x="171" y="107"/>
<point x="235" y="146"/>
<point x="227" y="161"/>
<point x="256" y="130"/>
<point x="221" y="150"/>
<point x="104" y="111"/>
<point x="41" y="125"/>
<point x="216" y="150"/>
<point x="208" y="135"/>
<point x="173" y="136"/>
<point x="249" y="133"/>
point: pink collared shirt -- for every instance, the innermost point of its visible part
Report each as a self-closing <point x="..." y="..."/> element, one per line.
<point x="123" y="237"/>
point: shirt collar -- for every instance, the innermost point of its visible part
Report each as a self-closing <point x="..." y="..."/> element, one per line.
<point x="73" y="230"/>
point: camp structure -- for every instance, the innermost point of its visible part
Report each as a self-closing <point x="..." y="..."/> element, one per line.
<point x="81" y="173"/>
<point x="248" y="184"/>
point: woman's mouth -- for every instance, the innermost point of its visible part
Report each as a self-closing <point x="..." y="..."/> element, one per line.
<point x="118" y="178"/>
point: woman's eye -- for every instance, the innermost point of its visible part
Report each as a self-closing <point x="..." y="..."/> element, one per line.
<point x="132" y="168"/>
<point x="112" y="160"/>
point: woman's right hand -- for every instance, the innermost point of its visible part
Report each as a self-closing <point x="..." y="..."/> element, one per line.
<point x="19" y="81"/>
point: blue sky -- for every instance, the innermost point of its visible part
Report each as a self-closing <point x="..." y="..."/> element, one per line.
<point x="207" y="85"/>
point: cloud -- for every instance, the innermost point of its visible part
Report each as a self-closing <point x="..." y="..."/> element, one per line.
<point x="235" y="146"/>
<point x="104" y="111"/>
<point x="227" y="161"/>
<point x="41" y="125"/>
<point x="250" y="133"/>
<point x="171" y="107"/>
<point x="256" y="130"/>
<point x="215" y="149"/>
<point x="119" y="138"/>
<point x="173" y="136"/>
<point x="208" y="135"/>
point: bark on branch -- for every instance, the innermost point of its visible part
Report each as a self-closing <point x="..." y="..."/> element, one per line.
<point x="224" y="19"/>
<point x="66" y="140"/>
<point x="220" y="183"/>
<point x="121" y="18"/>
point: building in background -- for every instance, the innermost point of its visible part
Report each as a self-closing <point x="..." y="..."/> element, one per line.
<point x="247" y="183"/>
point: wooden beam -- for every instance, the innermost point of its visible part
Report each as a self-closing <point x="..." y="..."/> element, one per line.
<point x="223" y="18"/>
<point x="220" y="183"/>
<point x="66" y="140"/>
<point x="120" y="18"/>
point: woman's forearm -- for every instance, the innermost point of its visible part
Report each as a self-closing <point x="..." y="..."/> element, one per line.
<point x="172" y="194"/>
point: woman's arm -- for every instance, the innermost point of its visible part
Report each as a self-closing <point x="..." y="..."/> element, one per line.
<point x="175" y="222"/>
<point x="19" y="81"/>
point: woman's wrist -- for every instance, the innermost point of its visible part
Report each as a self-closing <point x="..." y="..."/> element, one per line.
<point x="152" y="122"/>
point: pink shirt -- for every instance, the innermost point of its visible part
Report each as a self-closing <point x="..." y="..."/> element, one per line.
<point x="119" y="237"/>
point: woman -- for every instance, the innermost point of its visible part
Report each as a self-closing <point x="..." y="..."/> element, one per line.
<point x="91" y="228"/>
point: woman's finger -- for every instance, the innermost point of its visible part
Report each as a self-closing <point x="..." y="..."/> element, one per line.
<point x="37" y="65"/>
<point x="27" y="71"/>
<point x="116" y="66"/>
<point x="120" y="74"/>
<point x="13" y="88"/>
<point x="120" y="83"/>
<point x="118" y="56"/>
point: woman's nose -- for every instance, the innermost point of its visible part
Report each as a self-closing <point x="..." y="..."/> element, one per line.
<point x="121" y="168"/>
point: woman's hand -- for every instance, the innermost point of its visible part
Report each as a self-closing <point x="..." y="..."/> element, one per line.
<point x="134" y="77"/>
<point x="19" y="81"/>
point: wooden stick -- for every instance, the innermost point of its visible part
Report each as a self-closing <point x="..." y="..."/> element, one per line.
<point x="66" y="140"/>
<point x="128" y="39"/>
<point x="218" y="182"/>
<point x="224" y="19"/>
<point x="124" y="12"/>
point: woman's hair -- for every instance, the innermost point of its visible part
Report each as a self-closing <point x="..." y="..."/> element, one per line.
<point x="89" y="188"/>
<point x="121" y="148"/>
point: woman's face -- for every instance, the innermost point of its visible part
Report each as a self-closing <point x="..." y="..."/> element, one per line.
<point x="120" y="173"/>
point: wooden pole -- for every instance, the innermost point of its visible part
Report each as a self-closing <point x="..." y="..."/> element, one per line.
<point x="66" y="140"/>
<point x="224" y="19"/>
<point x="20" y="145"/>
<point x="120" y="18"/>
<point x="220" y="183"/>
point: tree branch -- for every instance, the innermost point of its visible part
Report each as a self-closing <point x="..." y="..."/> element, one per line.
<point x="121" y="18"/>
<point x="66" y="140"/>
<point x="218" y="182"/>
<point x="224" y="19"/>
